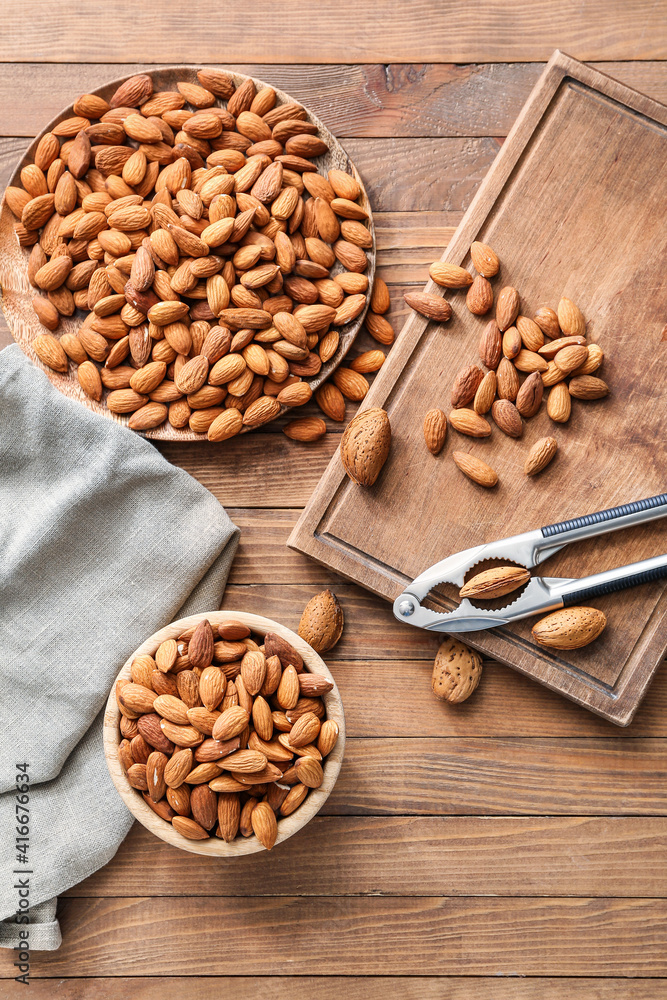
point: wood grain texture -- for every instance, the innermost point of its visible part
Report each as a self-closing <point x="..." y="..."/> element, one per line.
<point x="352" y="987"/>
<point x="398" y="99"/>
<point x="358" y="936"/>
<point x="303" y="32"/>
<point x="409" y="856"/>
<point x="571" y="248"/>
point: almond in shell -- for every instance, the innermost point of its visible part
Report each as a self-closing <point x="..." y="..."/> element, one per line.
<point x="495" y="582"/>
<point x="457" y="671"/>
<point x="322" y="622"/>
<point x="569" y="628"/>
<point x="365" y="446"/>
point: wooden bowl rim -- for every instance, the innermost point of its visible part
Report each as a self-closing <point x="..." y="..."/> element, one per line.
<point x="288" y="825"/>
<point x="67" y="383"/>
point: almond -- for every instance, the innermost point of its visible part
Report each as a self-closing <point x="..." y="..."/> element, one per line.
<point x="469" y="422"/>
<point x="465" y="385"/>
<point x="529" y="361"/>
<point x="529" y="397"/>
<point x="484" y="260"/>
<point x="264" y="825"/>
<point x="450" y="275"/>
<point x="507" y="417"/>
<point x="253" y="671"/>
<point x="435" y="430"/>
<point x="571" y="319"/>
<point x="380" y="329"/>
<point x="511" y="342"/>
<point x="275" y="645"/>
<point x="475" y="469"/>
<point x="432" y="306"/>
<point x="547" y="320"/>
<point x="571" y="357"/>
<point x="552" y="375"/>
<point x="230" y="723"/>
<point x="369" y="361"/>
<point x="204" y="806"/>
<point x="490" y="345"/>
<point x="507" y="307"/>
<point x="590" y="365"/>
<point x="50" y="352"/>
<point x="540" y="455"/>
<point x="305" y="429"/>
<point x="569" y="628"/>
<point x="486" y="393"/>
<point x="328" y="737"/>
<point x="530" y="333"/>
<point x="380" y="300"/>
<point x="559" y="403"/>
<point x="331" y="401"/>
<point x="480" y="296"/>
<point x="588" y="387"/>
<point x="305" y="730"/>
<point x="365" y="445"/>
<point x="149" y="377"/>
<point x="89" y="380"/>
<point x="155" y="768"/>
<point x="192" y="375"/>
<point x="287" y="694"/>
<point x="225" y="425"/>
<point x="321" y="623"/>
<point x="495" y="582"/>
<point x="352" y="384"/>
<point x="229" y="815"/>
<point x="201" y="645"/>
<point x="456" y="671"/>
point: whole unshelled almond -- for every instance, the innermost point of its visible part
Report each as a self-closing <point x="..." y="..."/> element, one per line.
<point x="540" y="455"/>
<point x="432" y="306"/>
<point x="484" y="259"/>
<point x="321" y="625"/>
<point x="474" y="468"/>
<point x="588" y="387"/>
<point x="435" y="430"/>
<point x="480" y="296"/>
<point x="507" y="307"/>
<point x="490" y="345"/>
<point x="495" y="582"/>
<point x="529" y="397"/>
<point x="569" y="628"/>
<point x="486" y="393"/>
<point x="365" y="445"/>
<point x="468" y="422"/>
<point x="450" y="275"/>
<point x="465" y="385"/>
<point x="507" y="417"/>
<point x="559" y="404"/>
<point x="571" y="319"/>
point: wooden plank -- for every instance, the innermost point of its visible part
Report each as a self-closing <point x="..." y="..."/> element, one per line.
<point x="352" y="987"/>
<point x="494" y="776"/>
<point x="299" y="31"/>
<point x="425" y="99"/>
<point x="355" y="936"/>
<point x="547" y="254"/>
<point x="404" y="856"/>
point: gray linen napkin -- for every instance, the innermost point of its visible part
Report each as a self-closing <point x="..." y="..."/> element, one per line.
<point x="102" y="542"/>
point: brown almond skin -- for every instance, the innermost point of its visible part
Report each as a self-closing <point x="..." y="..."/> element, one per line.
<point x="486" y="393"/>
<point x="529" y="397"/>
<point x="508" y="380"/>
<point x="469" y="422"/>
<point x="495" y="582"/>
<point x="507" y="417"/>
<point x="474" y="468"/>
<point x="490" y="345"/>
<point x="540" y="455"/>
<point x="480" y="296"/>
<point x="466" y="385"/>
<point x="432" y="306"/>
<point x="507" y="307"/>
<point x="435" y="430"/>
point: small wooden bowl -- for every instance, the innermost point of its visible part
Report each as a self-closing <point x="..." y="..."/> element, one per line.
<point x="16" y="292"/>
<point x="286" y="826"/>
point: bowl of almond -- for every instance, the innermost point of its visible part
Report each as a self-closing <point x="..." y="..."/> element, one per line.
<point x="187" y="251"/>
<point x="224" y="733"/>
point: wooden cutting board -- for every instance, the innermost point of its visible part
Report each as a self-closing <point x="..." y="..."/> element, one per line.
<point x="575" y="204"/>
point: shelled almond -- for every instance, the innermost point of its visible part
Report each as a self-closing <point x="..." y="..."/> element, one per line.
<point x="224" y="733"/>
<point x="195" y="232"/>
<point x="522" y="356"/>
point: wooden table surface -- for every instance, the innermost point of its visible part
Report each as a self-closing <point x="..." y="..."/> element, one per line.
<point x="511" y="847"/>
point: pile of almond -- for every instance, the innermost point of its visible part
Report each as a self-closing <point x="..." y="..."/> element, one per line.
<point x="224" y="733"/>
<point x="215" y="264"/>
<point x="521" y="357"/>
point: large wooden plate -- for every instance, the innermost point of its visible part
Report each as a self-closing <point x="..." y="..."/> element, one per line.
<point x="574" y="205"/>
<point x="17" y="292"/>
